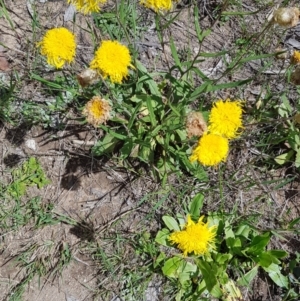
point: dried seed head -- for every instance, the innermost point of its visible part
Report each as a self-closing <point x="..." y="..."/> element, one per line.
<point x="295" y="77"/>
<point x="87" y="77"/>
<point x="287" y="16"/>
<point x="195" y="124"/>
<point x="97" y="111"/>
<point x="281" y="54"/>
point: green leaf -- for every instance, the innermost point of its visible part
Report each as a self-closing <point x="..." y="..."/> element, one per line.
<point x="243" y="230"/>
<point x="282" y="110"/>
<point x="174" y="53"/>
<point x="239" y="83"/>
<point x="46" y="82"/>
<point x="195" y="169"/>
<point x="216" y="291"/>
<point x="239" y="13"/>
<point x="208" y="274"/>
<point x="179" y="295"/>
<point x="210" y="86"/>
<point x="126" y="148"/>
<point x="297" y="160"/>
<point x="151" y="111"/>
<point x="248" y="277"/>
<point x="147" y="79"/>
<point x="104" y="146"/>
<point x="223" y="258"/>
<point x="155" y="131"/>
<point x="259" y="243"/>
<point x="198" y="91"/>
<point x="196" y="205"/>
<point x="171" y="223"/>
<point x="160" y="258"/>
<point x="274" y="273"/>
<point x="172" y="267"/>
<point x="286" y="103"/>
<point x="228" y="230"/>
<point x="187" y="269"/>
<point x="255" y="57"/>
<point x="294" y="222"/>
<point x="119" y="135"/>
<point x="196" y="23"/>
<point x="182" y="134"/>
<point x="134" y="115"/>
<point x="284" y="158"/>
<point x="234" y="245"/>
<point x="200" y="34"/>
<point x="162" y="237"/>
<point x="265" y="259"/>
<point x="146" y="154"/>
<point x="278" y="253"/>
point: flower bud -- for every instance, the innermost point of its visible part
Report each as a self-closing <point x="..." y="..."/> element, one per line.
<point x="87" y="77"/>
<point x="195" y="124"/>
<point x="281" y="54"/>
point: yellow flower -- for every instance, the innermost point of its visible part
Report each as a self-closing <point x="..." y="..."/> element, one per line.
<point x="157" y="5"/>
<point x="59" y="46"/>
<point x="211" y="150"/>
<point x="97" y="111"/>
<point x="195" y="237"/>
<point x="112" y="60"/>
<point x="226" y="118"/>
<point x="87" y="6"/>
<point x="295" y="58"/>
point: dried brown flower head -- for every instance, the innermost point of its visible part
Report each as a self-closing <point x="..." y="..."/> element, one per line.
<point x="87" y="77"/>
<point x="97" y="111"/>
<point x="281" y="54"/>
<point x="295" y="77"/>
<point x="195" y="124"/>
<point x="297" y="118"/>
<point x="286" y="16"/>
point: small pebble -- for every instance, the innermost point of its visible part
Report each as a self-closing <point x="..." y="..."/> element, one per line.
<point x="31" y="144"/>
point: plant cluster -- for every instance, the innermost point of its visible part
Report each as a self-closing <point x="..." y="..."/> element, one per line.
<point x="29" y="174"/>
<point x="149" y="121"/>
<point x="155" y="124"/>
<point x="218" y="255"/>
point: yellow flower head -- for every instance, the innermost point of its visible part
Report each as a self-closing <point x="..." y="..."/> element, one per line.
<point x="87" y="6"/>
<point x="157" y="5"/>
<point x="226" y="118"/>
<point x="195" y="237"/>
<point x="97" y="111"/>
<point x="295" y="58"/>
<point x="112" y="60"/>
<point x="211" y="150"/>
<point x="59" y="46"/>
